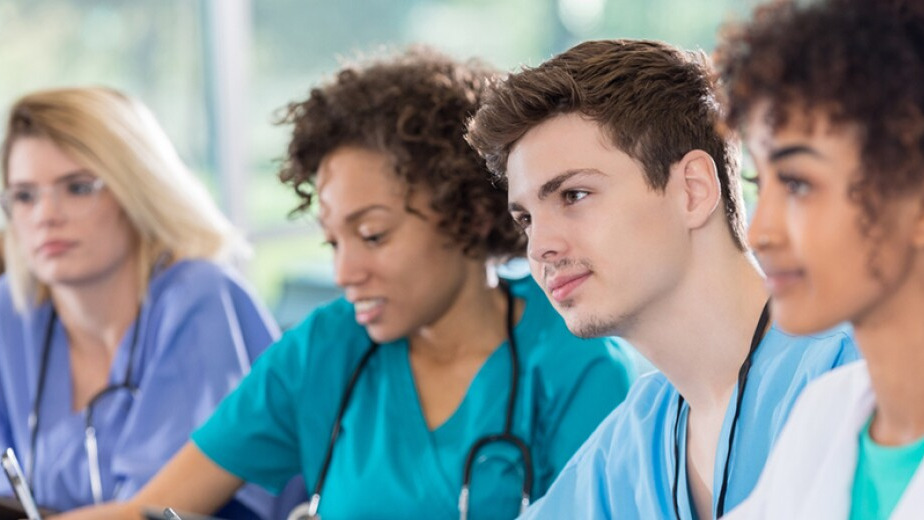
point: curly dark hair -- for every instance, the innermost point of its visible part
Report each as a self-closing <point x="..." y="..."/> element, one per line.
<point x="654" y="101"/>
<point x="860" y="62"/>
<point x="412" y="106"/>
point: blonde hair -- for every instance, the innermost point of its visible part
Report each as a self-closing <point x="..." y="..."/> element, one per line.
<point x="118" y="139"/>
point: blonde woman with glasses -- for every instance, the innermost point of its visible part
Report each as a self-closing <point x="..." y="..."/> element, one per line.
<point x="120" y="328"/>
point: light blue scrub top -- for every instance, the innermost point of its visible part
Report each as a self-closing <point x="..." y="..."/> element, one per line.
<point x="387" y="463"/>
<point x="626" y="468"/>
<point x="200" y="331"/>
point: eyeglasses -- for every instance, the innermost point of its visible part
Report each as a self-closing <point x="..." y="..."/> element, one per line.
<point x="73" y="197"/>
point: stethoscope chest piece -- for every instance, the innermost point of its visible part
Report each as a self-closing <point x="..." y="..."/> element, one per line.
<point x="307" y="510"/>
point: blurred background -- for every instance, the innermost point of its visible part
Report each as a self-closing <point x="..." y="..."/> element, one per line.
<point x="217" y="73"/>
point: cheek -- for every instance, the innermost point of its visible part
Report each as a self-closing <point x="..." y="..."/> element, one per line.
<point x="115" y="233"/>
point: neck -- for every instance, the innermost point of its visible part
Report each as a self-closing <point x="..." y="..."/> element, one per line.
<point x="891" y="337"/>
<point x="700" y="333"/>
<point x="97" y="314"/>
<point x="474" y="324"/>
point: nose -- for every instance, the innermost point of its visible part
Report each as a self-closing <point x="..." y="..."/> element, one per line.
<point x="349" y="265"/>
<point x="46" y="209"/>
<point x="767" y="228"/>
<point x="547" y="240"/>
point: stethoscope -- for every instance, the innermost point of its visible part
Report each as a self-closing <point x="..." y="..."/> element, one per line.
<point x="96" y="483"/>
<point x="309" y="510"/>
<point x="742" y="382"/>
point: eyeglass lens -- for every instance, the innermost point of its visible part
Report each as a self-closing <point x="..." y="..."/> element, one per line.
<point x="72" y="197"/>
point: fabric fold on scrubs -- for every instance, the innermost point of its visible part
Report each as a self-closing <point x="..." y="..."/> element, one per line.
<point x="626" y="469"/>
<point x="200" y="329"/>
<point x="387" y="462"/>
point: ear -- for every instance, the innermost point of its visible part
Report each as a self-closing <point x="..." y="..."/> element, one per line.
<point x="702" y="191"/>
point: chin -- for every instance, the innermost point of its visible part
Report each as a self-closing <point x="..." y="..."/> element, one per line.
<point x="590" y="326"/>
<point x="383" y="334"/>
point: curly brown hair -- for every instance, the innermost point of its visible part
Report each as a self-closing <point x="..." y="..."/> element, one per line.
<point x="654" y="101"/>
<point x="413" y="107"/>
<point x="860" y="62"/>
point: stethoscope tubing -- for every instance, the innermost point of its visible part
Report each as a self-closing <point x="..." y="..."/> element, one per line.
<point x="506" y="436"/>
<point x="90" y="442"/>
<point x="743" y="373"/>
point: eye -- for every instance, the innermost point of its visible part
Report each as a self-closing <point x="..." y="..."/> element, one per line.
<point x="794" y="185"/>
<point x="24" y="195"/>
<point x="82" y="187"/>
<point x="522" y="220"/>
<point x="374" y="239"/>
<point x="330" y="242"/>
<point x="572" y="196"/>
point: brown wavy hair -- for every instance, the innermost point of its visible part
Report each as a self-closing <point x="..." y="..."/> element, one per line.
<point x="413" y="107"/>
<point x="860" y="62"/>
<point x="654" y="101"/>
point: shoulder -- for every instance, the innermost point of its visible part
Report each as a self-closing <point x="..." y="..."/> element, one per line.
<point x="838" y="401"/>
<point x="192" y="277"/>
<point x="190" y="284"/>
<point x="328" y="337"/>
<point x="848" y="385"/>
<point x="647" y="401"/>
<point x="810" y="354"/>
<point x="645" y="410"/>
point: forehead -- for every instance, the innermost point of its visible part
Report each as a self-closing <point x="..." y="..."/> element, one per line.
<point x="351" y="179"/>
<point x="38" y="159"/>
<point x="349" y="175"/>
<point x="564" y="143"/>
<point x="767" y="130"/>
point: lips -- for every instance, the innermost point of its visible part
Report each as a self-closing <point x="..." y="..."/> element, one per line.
<point x="52" y="248"/>
<point x="368" y="309"/>
<point x="562" y="286"/>
<point x="780" y="279"/>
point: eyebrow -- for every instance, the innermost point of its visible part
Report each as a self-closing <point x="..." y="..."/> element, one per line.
<point x="788" y="151"/>
<point x="360" y="213"/>
<point x="553" y="184"/>
<point x="64" y="178"/>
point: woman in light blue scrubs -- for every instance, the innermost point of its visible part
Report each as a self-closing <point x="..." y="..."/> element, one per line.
<point x="828" y="95"/>
<point x="120" y="331"/>
<point x="428" y="353"/>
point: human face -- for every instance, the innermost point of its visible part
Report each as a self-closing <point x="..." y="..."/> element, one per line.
<point x="399" y="271"/>
<point x="65" y="248"/>
<point x="603" y="245"/>
<point x="821" y="268"/>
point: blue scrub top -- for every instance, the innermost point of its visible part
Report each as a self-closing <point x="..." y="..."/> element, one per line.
<point x="200" y="329"/>
<point x="387" y="462"/>
<point x="626" y="468"/>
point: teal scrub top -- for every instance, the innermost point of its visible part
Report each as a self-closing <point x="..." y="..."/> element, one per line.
<point x="387" y="463"/>
<point x="883" y="473"/>
<point x="626" y="468"/>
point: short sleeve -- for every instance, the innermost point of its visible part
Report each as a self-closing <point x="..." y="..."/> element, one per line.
<point x="254" y="434"/>
<point x="202" y="331"/>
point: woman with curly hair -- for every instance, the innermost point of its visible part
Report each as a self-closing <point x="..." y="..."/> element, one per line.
<point x="433" y="385"/>
<point x="829" y="98"/>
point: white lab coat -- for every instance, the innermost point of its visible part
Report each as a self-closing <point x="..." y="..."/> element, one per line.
<point x="809" y="474"/>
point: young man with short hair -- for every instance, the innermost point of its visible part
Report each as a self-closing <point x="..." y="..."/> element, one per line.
<point x="631" y="201"/>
